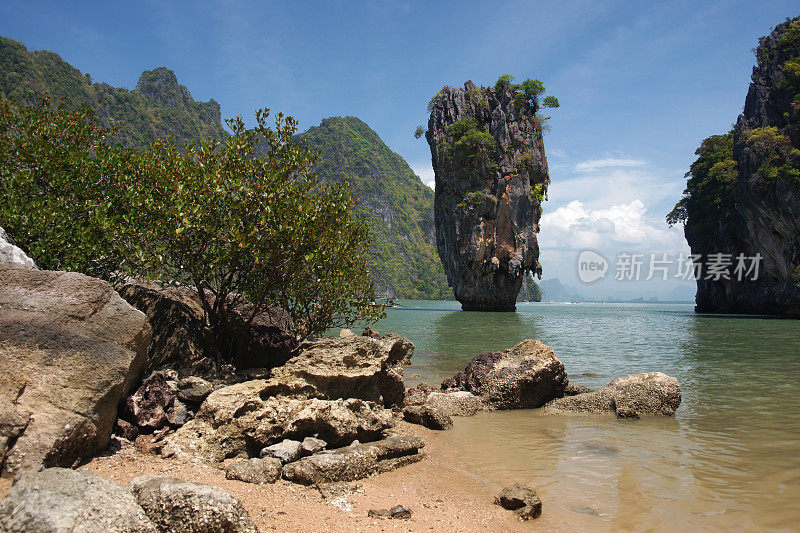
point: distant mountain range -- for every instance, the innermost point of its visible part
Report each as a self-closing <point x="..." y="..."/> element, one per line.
<point x="402" y="259"/>
<point x="554" y="290"/>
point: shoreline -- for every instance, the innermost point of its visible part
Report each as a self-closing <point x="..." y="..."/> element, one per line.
<point x="440" y="491"/>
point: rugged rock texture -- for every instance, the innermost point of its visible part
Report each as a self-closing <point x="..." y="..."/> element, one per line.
<point x="70" y="348"/>
<point x="355" y="462"/>
<point x="60" y="500"/>
<point x="430" y="417"/>
<point x="522" y="499"/>
<point x="651" y="393"/>
<point x="491" y="175"/>
<point x="11" y="254"/>
<point x="525" y="376"/>
<point x="347" y="367"/>
<point x="176" y="317"/>
<point x="241" y="420"/>
<point x="764" y="202"/>
<point x="256" y="470"/>
<point x="184" y="507"/>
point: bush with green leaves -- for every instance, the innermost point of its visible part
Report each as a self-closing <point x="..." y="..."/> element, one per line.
<point x="58" y="181"/>
<point x="248" y="232"/>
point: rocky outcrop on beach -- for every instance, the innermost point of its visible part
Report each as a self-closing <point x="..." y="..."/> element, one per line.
<point x="356" y="461"/>
<point x="354" y="366"/>
<point x="748" y="202"/>
<point x="70" y="349"/>
<point x="237" y="421"/>
<point x="491" y="177"/>
<point x="526" y="376"/>
<point x="651" y="393"/>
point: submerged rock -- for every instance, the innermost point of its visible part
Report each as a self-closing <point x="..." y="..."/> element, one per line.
<point x="356" y="461"/>
<point x="185" y="507"/>
<point x="651" y="393"/>
<point x="525" y="376"/>
<point x="491" y="177"/>
<point x="70" y="348"/>
<point x="61" y="500"/>
<point x="398" y="512"/>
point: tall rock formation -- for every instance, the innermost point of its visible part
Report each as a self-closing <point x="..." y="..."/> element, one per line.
<point x="491" y="177"/>
<point x="743" y="195"/>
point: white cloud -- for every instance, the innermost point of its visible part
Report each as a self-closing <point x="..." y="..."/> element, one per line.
<point x="609" y="162"/>
<point x="621" y="227"/>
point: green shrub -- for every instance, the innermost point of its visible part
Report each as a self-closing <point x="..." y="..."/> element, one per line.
<point x="234" y="225"/>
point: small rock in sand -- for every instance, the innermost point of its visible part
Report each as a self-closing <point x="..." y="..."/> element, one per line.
<point x="259" y="471"/>
<point x="522" y="499"/>
<point x="287" y="450"/>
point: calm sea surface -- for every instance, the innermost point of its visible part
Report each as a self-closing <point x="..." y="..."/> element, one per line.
<point x="728" y="460"/>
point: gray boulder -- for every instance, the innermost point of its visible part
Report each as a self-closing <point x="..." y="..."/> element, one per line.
<point x="651" y="393"/>
<point x="312" y="445"/>
<point x="184" y="507"/>
<point x="259" y="471"/>
<point x="286" y="451"/>
<point x="11" y="254"/>
<point x="356" y="461"/>
<point x="70" y="349"/>
<point x="526" y="376"/>
<point x="194" y="389"/>
<point x="60" y="500"/>
<point x="430" y="417"/>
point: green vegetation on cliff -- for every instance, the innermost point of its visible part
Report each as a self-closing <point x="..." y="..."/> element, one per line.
<point x="402" y="259"/>
<point x="708" y="199"/>
<point x="157" y="108"/>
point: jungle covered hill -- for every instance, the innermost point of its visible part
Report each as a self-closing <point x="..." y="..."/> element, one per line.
<point x="401" y="259"/>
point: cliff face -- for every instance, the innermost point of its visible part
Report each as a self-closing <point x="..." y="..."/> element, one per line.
<point x="764" y="193"/>
<point x="491" y="177"/>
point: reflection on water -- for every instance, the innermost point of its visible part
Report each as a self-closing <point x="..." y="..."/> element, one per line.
<point x="729" y="459"/>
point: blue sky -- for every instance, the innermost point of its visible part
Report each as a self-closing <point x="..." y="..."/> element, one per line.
<point x="640" y="83"/>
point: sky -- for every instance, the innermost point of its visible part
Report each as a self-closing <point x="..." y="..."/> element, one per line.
<point x="640" y="85"/>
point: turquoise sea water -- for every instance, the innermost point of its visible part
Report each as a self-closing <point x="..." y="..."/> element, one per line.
<point x="728" y="460"/>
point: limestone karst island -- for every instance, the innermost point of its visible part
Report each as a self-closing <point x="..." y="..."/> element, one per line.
<point x="419" y="266"/>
